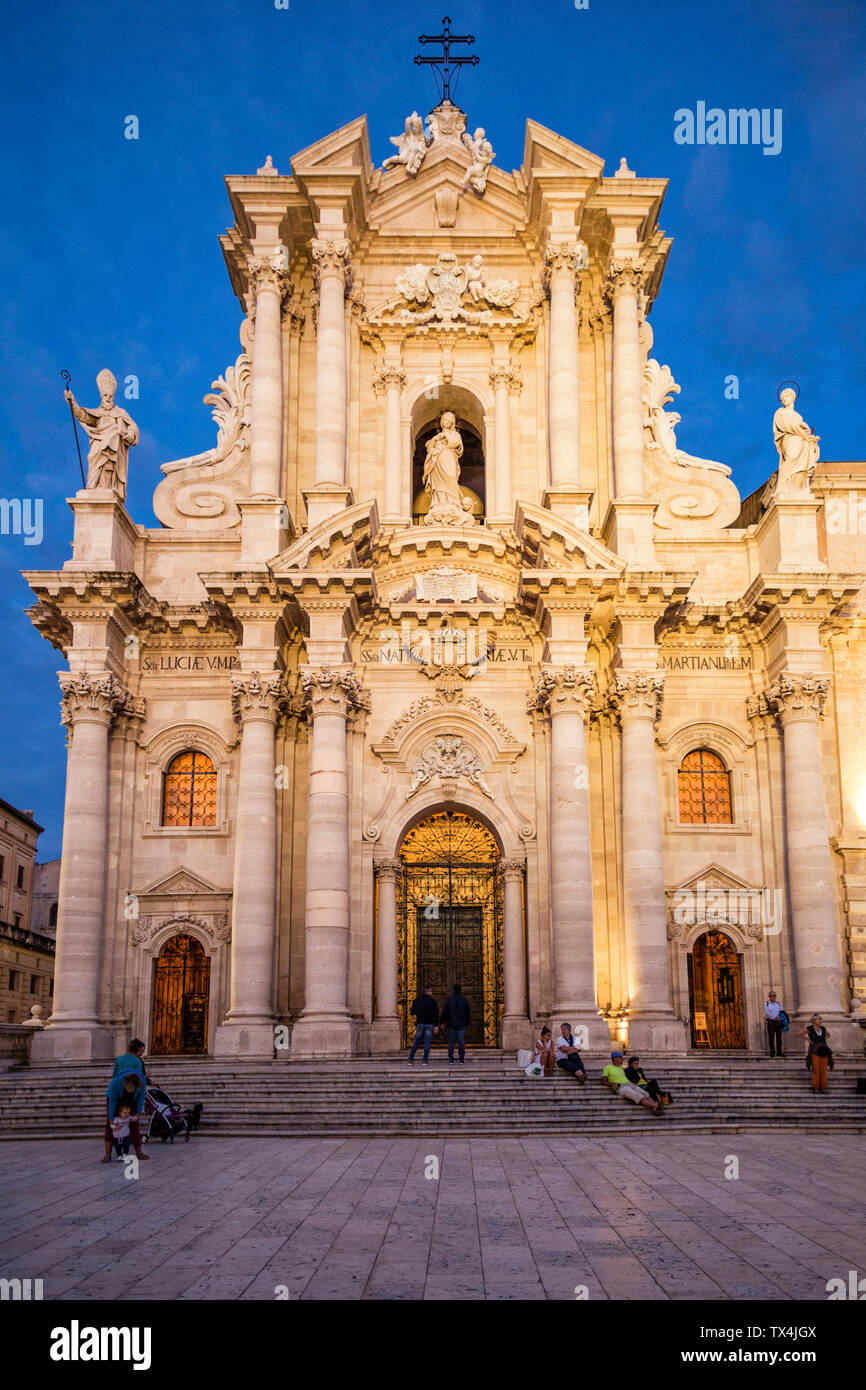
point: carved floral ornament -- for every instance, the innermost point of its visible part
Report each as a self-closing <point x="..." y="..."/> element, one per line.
<point x="637" y="694"/>
<point x="217" y="928"/>
<point x="566" y="257"/>
<point x="439" y="290"/>
<point x="449" y="757"/>
<point x="387" y="377"/>
<point x="95" y="698"/>
<point x="388" y="870"/>
<point x="333" y="690"/>
<point x="565" y="689"/>
<point x="625" y="276"/>
<point x="790" y="697"/>
<point x="331" y="258"/>
<point x="256" y="696"/>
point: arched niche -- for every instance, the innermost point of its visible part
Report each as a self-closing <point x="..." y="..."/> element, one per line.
<point x="468" y="410"/>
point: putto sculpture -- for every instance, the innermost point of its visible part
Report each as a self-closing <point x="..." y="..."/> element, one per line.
<point x="482" y="156"/>
<point x="797" y="446"/>
<point x="411" y="146"/>
<point x="112" y="434"/>
<point x="441" y="478"/>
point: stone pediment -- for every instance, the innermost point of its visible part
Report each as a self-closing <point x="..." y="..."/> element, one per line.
<point x="180" y="883"/>
<point x="714" y="877"/>
<point x="549" y="541"/>
<point x="342" y="541"/>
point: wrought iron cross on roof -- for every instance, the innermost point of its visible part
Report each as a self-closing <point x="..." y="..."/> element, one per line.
<point x="443" y="62"/>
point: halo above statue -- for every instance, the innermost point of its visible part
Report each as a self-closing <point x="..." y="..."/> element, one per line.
<point x="782" y="386"/>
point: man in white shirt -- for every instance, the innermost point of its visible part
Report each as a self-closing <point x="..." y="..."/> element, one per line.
<point x="772" y="1009"/>
<point x="567" y="1055"/>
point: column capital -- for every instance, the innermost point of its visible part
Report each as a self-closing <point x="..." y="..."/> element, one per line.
<point x="332" y="690"/>
<point x="331" y="257"/>
<point x="90" y="698"/>
<point x="263" y="274"/>
<point x="565" y="257"/>
<point x="624" y="276"/>
<point x="387" y="378"/>
<point x="637" y="694"/>
<point x="564" y="690"/>
<point x="791" y="697"/>
<point x="388" y="870"/>
<point x="512" y="869"/>
<point x="507" y="378"/>
<point x="258" y="697"/>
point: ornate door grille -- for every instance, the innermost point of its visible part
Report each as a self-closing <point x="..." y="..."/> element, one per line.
<point x="716" y="990"/>
<point x="181" y="988"/>
<point x="449" y="920"/>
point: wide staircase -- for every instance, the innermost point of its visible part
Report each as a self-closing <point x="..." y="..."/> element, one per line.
<point x="488" y="1096"/>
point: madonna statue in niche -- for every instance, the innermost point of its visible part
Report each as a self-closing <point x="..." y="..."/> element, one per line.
<point x="448" y="506"/>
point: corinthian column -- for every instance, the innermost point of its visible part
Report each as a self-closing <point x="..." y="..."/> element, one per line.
<point x="386" y="1024"/>
<point x="325" y="1027"/>
<point x="248" y="1030"/>
<point x="563" y="260"/>
<point x="331" y="267"/>
<point x="652" y="1025"/>
<point x="74" y="1032"/>
<point x="798" y="701"/>
<point x="504" y="380"/>
<point x="625" y="279"/>
<point x="515" y="1024"/>
<point x="391" y="380"/>
<point x="562" y="693"/>
<point x="266" y="410"/>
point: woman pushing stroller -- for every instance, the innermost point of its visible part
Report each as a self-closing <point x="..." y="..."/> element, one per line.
<point x="125" y="1099"/>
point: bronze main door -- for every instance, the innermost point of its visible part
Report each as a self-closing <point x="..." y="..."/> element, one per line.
<point x="181" y="988"/>
<point x="449" y="920"/>
<point x="716" y="993"/>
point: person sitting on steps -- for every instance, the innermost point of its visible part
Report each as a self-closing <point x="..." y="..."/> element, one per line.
<point x="567" y="1055"/>
<point x="615" y="1079"/>
<point x="545" y="1055"/>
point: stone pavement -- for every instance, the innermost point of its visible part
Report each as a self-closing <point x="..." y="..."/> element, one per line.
<point x="649" y="1217"/>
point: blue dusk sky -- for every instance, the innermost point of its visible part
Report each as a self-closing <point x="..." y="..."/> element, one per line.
<point x="110" y="255"/>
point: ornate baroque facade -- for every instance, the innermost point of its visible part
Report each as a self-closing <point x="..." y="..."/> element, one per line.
<point x="583" y="728"/>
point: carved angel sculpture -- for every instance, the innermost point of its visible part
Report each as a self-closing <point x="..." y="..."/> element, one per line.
<point x="411" y="146"/>
<point x="482" y="155"/>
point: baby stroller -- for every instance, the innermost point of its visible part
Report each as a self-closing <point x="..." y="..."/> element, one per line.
<point x="162" y="1119"/>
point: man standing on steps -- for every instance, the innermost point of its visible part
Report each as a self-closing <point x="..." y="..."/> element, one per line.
<point x="456" y="1017"/>
<point x="426" y="1013"/>
<point x="772" y="1009"/>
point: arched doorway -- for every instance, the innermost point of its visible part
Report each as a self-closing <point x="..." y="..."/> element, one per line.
<point x="716" y="993"/>
<point x="449" y="920"/>
<point x="181" y="990"/>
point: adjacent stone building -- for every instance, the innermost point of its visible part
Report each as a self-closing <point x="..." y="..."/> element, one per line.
<point x="26" y="951"/>
<point x="446" y="661"/>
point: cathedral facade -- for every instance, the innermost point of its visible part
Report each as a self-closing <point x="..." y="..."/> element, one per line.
<point x="446" y="662"/>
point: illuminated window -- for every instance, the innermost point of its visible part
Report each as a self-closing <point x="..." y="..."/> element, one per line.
<point x="704" y="785"/>
<point x="189" y="791"/>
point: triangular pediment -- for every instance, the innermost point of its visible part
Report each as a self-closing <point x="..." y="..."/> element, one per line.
<point x="408" y="206"/>
<point x="546" y="151"/>
<point x="714" y="878"/>
<point x="180" y="882"/>
<point x="550" y="541"/>
<point x="348" y="147"/>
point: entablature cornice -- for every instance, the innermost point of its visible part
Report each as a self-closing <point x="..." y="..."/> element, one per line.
<point x="346" y="539"/>
<point x="547" y="540"/>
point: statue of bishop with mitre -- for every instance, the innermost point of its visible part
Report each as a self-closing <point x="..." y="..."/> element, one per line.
<point x="111" y="432"/>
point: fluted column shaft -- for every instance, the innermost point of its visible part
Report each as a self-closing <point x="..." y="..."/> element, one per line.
<point x="798" y="701"/>
<point x="88" y="706"/>
<point x="513" y="949"/>
<point x="391" y="380"/>
<point x="563" y="378"/>
<point x="266" y="412"/>
<point x="624" y="286"/>
<point x="257" y="700"/>
<point x="387" y="873"/>
<point x="637" y="696"/>
<point x="330" y="692"/>
<point x="503" y="380"/>
<point x="563" y="692"/>
<point x="331" y="267"/>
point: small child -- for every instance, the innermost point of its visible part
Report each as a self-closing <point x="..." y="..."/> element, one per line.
<point x="120" y="1129"/>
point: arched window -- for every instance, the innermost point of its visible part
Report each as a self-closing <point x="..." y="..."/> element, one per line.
<point x="52" y="915"/>
<point x="704" y="786"/>
<point x="189" y="790"/>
